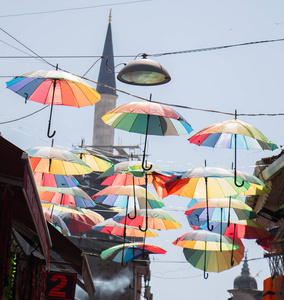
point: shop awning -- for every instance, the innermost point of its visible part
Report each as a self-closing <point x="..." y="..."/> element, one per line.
<point x="17" y="180"/>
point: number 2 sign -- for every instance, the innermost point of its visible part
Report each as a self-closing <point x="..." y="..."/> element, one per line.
<point x="60" y="285"/>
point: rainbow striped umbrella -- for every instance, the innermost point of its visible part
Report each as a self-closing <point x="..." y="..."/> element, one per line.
<point x="111" y="227"/>
<point x="55" y="180"/>
<point x="147" y="118"/>
<point x="130" y="251"/>
<point x="54" y="87"/>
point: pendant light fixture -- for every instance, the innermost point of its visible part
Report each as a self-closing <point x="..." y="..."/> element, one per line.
<point x="144" y="72"/>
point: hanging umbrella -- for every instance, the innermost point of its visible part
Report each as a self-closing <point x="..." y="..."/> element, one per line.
<point x="128" y="196"/>
<point x="133" y="116"/>
<point x="242" y="229"/>
<point x="66" y="196"/>
<point x="56" y="221"/>
<point x="56" y="161"/>
<point x="55" y="180"/>
<point x="130" y="252"/>
<point x="94" y="159"/>
<point x="218" y="209"/>
<point x="201" y="249"/>
<point x="232" y="134"/>
<point x="205" y="182"/>
<point x="78" y="223"/>
<point x="54" y="207"/>
<point x="111" y="227"/>
<point x="155" y="219"/>
<point x="54" y="87"/>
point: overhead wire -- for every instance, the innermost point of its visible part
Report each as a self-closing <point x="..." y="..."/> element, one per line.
<point x="143" y="98"/>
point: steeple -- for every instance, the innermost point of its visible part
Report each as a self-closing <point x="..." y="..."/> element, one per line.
<point x="103" y="135"/>
<point x="107" y="74"/>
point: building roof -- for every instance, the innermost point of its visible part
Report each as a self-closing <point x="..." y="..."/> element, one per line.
<point x="245" y="281"/>
<point x="107" y="74"/>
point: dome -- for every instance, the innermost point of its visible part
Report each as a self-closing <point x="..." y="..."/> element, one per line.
<point x="245" y="281"/>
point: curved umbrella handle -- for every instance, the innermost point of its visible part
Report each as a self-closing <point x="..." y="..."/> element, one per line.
<point x="235" y="173"/>
<point x="144" y="167"/>
<point x="135" y="211"/>
<point x="48" y="131"/>
<point x="207" y="208"/>
<point x="123" y="264"/>
<point x="146" y="211"/>
<point x="205" y="275"/>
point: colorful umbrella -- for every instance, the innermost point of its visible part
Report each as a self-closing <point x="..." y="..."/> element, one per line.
<point x="56" y="221"/>
<point x="130" y="251"/>
<point x="128" y="196"/>
<point x="242" y="229"/>
<point x="61" y="208"/>
<point x="111" y="227"/>
<point x="55" y="180"/>
<point x="267" y="242"/>
<point x="78" y="223"/>
<point x="133" y="117"/>
<point x="66" y="196"/>
<point x="94" y="159"/>
<point x="201" y="249"/>
<point x="56" y="161"/>
<point x="218" y="209"/>
<point x="54" y="87"/>
<point x="155" y="219"/>
<point x="232" y="134"/>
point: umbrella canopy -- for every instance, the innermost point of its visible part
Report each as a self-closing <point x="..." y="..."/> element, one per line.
<point x="152" y="218"/>
<point x="61" y="208"/>
<point x="56" y="221"/>
<point x="221" y="135"/>
<point x="218" y="209"/>
<point x="94" y="159"/>
<point x="205" y="182"/>
<point x="130" y="251"/>
<point x="242" y="229"/>
<point x="56" y="161"/>
<point x="128" y="196"/>
<point x="55" y="180"/>
<point x="69" y="89"/>
<point x="78" y="223"/>
<point x="147" y="118"/>
<point x="66" y="196"/>
<point x="111" y="227"/>
<point x="54" y="87"/>
<point x="202" y="250"/>
<point x="267" y="242"/>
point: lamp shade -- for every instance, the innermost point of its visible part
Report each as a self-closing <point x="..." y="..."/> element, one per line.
<point x="144" y="72"/>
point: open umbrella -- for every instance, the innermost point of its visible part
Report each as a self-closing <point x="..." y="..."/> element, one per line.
<point x="130" y="251"/>
<point x="201" y="249"/>
<point x="155" y="219"/>
<point x="78" y="223"/>
<point x="54" y="87"/>
<point x="94" y="159"/>
<point x="55" y="180"/>
<point x="73" y="196"/>
<point x="60" y="208"/>
<point x="205" y="183"/>
<point x="232" y="134"/>
<point x="56" y="221"/>
<point x="242" y="229"/>
<point x="128" y="196"/>
<point x="111" y="227"/>
<point x="147" y="118"/>
<point x="218" y="210"/>
<point x="56" y="161"/>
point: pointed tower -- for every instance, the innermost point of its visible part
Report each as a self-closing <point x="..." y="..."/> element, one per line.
<point x="103" y="135"/>
<point x="245" y="285"/>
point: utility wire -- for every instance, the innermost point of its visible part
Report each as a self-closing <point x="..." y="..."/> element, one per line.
<point x="70" y="9"/>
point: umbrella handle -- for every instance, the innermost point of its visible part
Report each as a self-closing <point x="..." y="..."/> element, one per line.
<point x="235" y="173"/>
<point x="124" y="265"/>
<point x="48" y="131"/>
<point x="135" y="214"/>
<point x="205" y="275"/>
